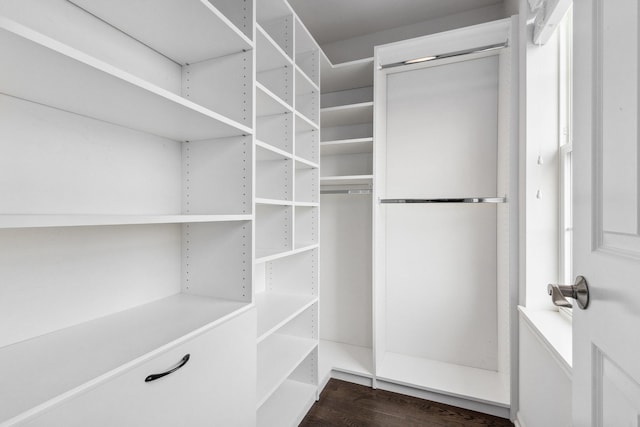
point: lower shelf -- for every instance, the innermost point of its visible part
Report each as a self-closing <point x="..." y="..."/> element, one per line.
<point x="278" y="356"/>
<point x="347" y="358"/>
<point x="288" y="405"/>
<point x="83" y="355"/>
<point x="455" y="380"/>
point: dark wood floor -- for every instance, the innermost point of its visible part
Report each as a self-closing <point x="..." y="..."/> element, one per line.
<point x="346" y="404"/>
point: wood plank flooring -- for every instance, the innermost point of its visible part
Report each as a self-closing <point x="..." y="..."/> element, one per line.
<point x="346" y="404"/>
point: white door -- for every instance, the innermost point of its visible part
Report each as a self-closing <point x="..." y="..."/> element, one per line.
<point x="606" y="336"/>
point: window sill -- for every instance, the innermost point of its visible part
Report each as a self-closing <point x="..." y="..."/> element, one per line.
<point x="554" y="332"/>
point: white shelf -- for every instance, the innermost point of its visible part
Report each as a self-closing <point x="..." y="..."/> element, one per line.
<point x="275" y="151"/>
<point x="278" y="356"/>
<point x="346" y="358"/>
<point x="35" y="221"/>
<point x="455" y="380"/>
<point x="274" y="202"/>
<point x="347" y="75"/>
<point x="186" y="31"/>
<point x="307" y="204"/>
<point x="288" y="405"/>
<point x="346" y="180"/>
<point x="78" y="83"/>
<point x="346" y="146"/>
<point x="81" y="356"/>
<point x="345" y="115"/>
<point x="275" y="309"/>
<point x="268" y="103"/>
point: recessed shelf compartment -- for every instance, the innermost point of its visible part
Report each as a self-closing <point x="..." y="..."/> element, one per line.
<point x="346" y="146"/>
<point x="288" y="405"/>
<point x="274" y="175"/>
<point x="307" y="98"/>
<point x="282" y="352"/>
<point x="347" y="97"/>
<point x="358" y="131"/>
<point x="306" y="182"/>
<point x="100" y="90"/>
<point x="114" y="268"/>
<point x="273" y="229"/>
<point x="307" y="140"/>
<point x="306" y="226"/>
<point x="262" y="258"/>
<point x="307" y="56"/>
<point x="110" y="343"/>
<point x="275" y="17"/>
<point x="348" y="164"/>
<point x="268" y="103"/>
<point x="186" y="31"/>
<point x="100" y="173"/>
<point x="350" y="114"/>
<point x="278" y="356"/>
<point x="276" y="131"/>
<point x="275" y="309"/>
<point x="346" y="75"/>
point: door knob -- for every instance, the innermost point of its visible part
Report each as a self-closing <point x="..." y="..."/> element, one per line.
<point x="578" y="291"/>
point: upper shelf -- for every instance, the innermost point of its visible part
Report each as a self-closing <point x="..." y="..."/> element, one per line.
<point x="346" y="146"/>
<point x="81" y="84"/>
<point x="187" y="31"/>
<point x="348" y="75"/>
<point x="110" y="343"/>
<point x="345" y="115"/>
<point x="37" y="221"/>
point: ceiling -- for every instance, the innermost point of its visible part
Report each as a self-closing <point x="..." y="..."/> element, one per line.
<point x="333" y="20"/>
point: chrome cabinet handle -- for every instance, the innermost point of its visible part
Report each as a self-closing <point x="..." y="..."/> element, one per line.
<point x="180" y="364"/>
<point x="578" y="291"/>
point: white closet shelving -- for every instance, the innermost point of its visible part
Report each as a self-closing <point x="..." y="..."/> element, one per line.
<point x="346" y="347"/>
<point x="119" y="244"/>
<point x="287" y="215"/>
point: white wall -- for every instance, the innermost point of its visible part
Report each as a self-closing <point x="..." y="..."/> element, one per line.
<point x="362" y="46"/>
<point x="541" y="180"/>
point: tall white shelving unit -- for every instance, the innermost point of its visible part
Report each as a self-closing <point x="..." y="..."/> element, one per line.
<point x="287" y="214"/>
<point x="346" y="347"/>
<point x="125" y="208"/>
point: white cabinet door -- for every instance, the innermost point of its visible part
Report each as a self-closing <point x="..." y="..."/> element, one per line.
<point x="216" y="387"/>
<point x="606" y="157"/>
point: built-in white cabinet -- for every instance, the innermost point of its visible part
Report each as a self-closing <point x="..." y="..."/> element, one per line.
<point x="126" y="187"/>
<point x="213" y="370"/>
<point x="287" y="219"/>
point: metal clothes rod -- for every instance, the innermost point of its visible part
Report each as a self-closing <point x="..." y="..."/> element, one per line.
<point x="461" y="200"/>
<point x="345" y="191"/>
<point x="486" y="48"/>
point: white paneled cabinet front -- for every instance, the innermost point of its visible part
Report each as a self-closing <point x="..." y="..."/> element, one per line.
<point x="213" y="388"/>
